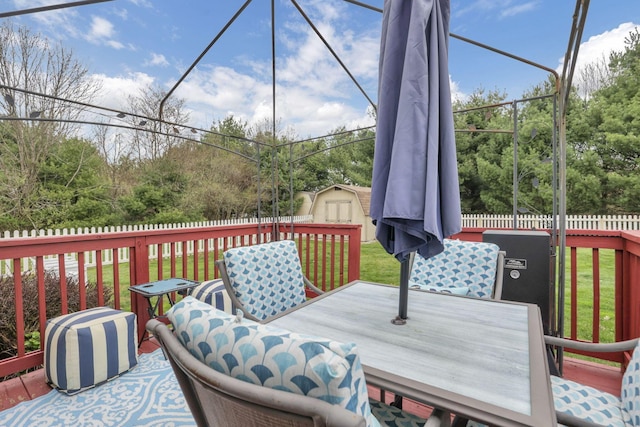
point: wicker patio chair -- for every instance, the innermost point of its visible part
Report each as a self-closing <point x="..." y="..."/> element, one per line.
<point x="265" y="279"/>
<point x="216" y="399"/>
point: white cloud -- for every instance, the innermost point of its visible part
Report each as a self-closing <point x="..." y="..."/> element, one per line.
<point x="114" y="44"/>
<point x="513" y="10"/>
<point x="115" y="90"/>
<point x="142" y="3"/>
<point x="505" y="8"/>
<point x="600" y="46"/>
<point x="314" y="94"/>
<point x="456" y="93"/>
<point x="102" y="31"/>
<point x="157" y="59"/>
<point x="100" y="28"/>
<point x="53" y="20"/>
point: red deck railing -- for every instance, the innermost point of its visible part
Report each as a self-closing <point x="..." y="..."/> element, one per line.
<point x="330" y="256"/>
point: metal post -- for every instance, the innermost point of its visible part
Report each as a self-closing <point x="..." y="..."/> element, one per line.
<point x="515" y="165"/>
<point x="405" y="269"/>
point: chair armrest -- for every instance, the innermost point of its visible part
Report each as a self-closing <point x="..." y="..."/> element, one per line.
<point x="497" y="289"/>
<point x="627" y="345"/>
<point x="572" y="421"/>
<point x="311" y="286"/>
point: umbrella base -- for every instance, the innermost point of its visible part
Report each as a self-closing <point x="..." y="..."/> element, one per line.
<point x="399" y="320"/>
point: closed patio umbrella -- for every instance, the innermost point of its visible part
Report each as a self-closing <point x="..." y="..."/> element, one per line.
<point x="415" y="199"/>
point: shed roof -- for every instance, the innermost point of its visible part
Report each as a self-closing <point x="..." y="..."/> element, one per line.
<point x="362" y="193"/>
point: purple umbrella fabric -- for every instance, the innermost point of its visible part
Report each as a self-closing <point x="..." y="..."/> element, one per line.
<point x="415" y="198"/>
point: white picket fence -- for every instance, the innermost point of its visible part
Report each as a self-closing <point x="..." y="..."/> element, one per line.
<point x="525" y="222"/>
<point x="143" y="227"/>
<point x="573" y="222"/>
<point x="70" y="260"/>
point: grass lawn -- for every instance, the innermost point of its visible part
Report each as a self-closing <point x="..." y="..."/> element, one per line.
<point x="376" y="265"/>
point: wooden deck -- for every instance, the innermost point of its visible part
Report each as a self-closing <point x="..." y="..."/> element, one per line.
<point x="602" y="377"/>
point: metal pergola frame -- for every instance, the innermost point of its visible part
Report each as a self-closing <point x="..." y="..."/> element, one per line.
<point x="560" y="96"/>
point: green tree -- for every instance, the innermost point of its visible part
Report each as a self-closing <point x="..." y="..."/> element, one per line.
<point x="74" y="191"/>
<point x="350" y="159"/>
<point x="222" y="171"/>
<point x="483" y="152"/>
<point x="613" y="115"/>
<point x="158" y="196"/>
<point x="30" y="61"/>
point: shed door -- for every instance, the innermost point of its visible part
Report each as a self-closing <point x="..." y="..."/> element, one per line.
<point x="338" y="211"/>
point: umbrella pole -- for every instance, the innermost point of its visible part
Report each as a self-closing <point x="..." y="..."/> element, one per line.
<point x="405" y="269"/>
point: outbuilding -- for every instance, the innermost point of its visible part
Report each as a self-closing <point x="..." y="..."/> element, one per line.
<point x="344" y="204"/>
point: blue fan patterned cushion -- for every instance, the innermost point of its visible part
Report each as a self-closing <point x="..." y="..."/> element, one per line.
<point x="272" y="357"/>
<point x="588" y="403"/>
<point x="462" y="264"/>
<point x="630" y="392"/>
<point x="266" y="278"/>
<point x="391" y="416"/>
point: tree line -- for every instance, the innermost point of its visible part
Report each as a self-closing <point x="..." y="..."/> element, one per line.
<point x="130" y="168"/>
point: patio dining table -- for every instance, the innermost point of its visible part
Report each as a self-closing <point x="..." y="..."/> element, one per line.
<point x="481" y="359"/>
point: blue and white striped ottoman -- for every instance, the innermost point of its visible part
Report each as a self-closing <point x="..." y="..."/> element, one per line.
<point x="89" y="347"/>
<point x="213" y="293"/>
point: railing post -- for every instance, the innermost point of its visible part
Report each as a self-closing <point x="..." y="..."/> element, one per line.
<point x="631" y="285"/>
<point x="139" y="257"/>
<point x="354" y="254"/>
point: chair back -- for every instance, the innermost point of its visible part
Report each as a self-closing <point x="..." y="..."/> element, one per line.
<point x="468" y="268"/>
<point x="630" y="391"/>
<point x="263" y="280"/>
<point x="218" y="400"/>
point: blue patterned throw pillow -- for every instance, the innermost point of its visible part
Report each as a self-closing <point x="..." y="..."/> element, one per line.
<point x="273" y="357"/>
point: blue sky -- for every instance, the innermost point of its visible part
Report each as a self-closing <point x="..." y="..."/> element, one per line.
<point x="127" y="44"/>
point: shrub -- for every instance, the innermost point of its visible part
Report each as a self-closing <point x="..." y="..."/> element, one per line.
<point x="8" y="334"/>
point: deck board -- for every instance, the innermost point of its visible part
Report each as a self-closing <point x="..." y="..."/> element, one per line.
<point x="603" y="377"/>
<point x="12" y="392"/>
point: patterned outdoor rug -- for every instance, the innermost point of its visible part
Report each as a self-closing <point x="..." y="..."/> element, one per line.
<point x="148" y="395"/>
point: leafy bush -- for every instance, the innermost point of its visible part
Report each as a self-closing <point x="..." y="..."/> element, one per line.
<point x="8" y="335"/>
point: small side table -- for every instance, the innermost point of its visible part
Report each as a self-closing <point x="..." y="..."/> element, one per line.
<point x="158" y="289"/>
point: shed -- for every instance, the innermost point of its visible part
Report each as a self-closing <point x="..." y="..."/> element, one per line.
<point x="307" y="202"/>
<point x="344" y="204"/>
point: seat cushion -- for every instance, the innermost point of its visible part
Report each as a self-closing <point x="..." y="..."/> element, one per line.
<point x="266" y="278"/>
<point x="588" y="403"/>
<point x="630" y="391"/>
<point x="453" y="290"/>
<point x="273" y="357"/>
<point x="88" y="347"/>
<point x="461" y="264"/>
<point x="213" y="293"/>
<point x="391" y="416"/>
